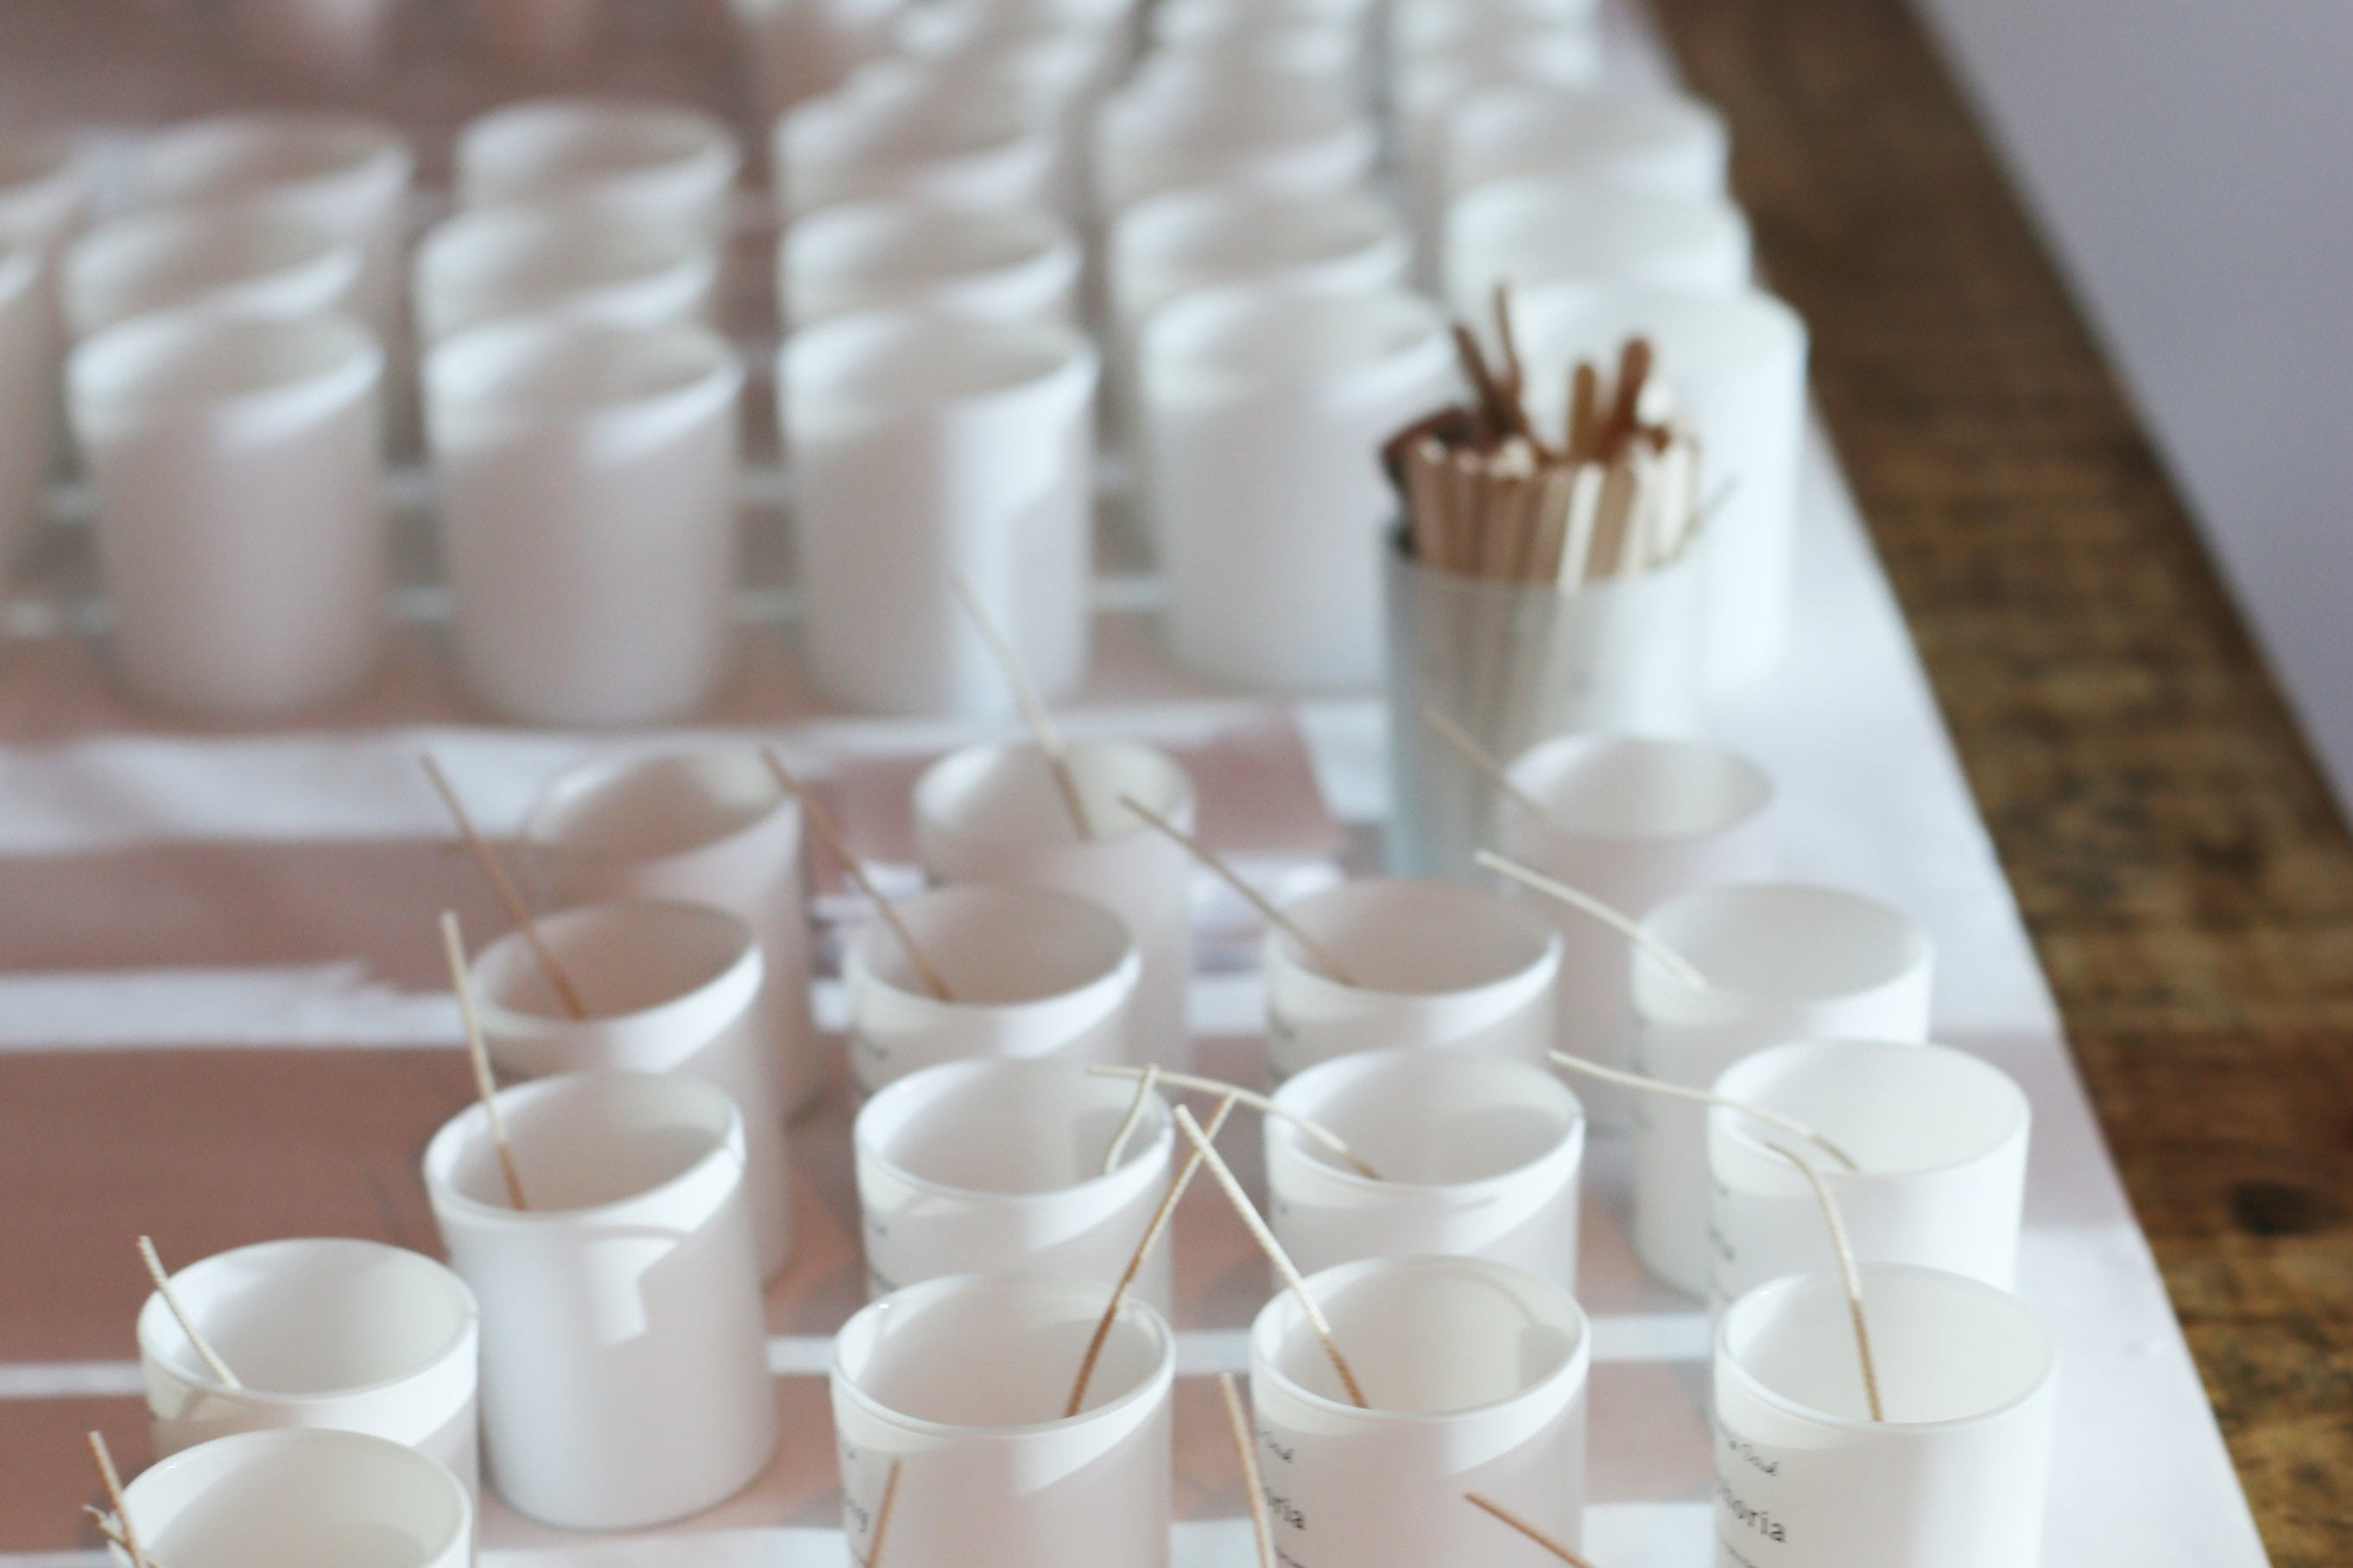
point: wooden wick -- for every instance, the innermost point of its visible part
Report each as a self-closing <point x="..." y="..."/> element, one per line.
<point x="1850" y="1276"/>
<point x="1258" y="1103"/>
<point x="1499" y="1511"/>
<point x="211" y="1357"/>
<point x="1625" y="925"/>
<point x="883" y="1513"/>
<point x="504" y="885"/>
<point x="453" y="947"/>
<point x="1326" y="958"/>
<point x="1246" y="1450"/>
<point x="1143" y="1082"/>
<point x="107" y="1473"/>
<point x="1160" y="1217"/>
<point x="815" y="818"/>
<point x="1032" y="706"/>
<point x="1636" y="1081"/>
<point x="113" y="1532"/>
<point x="1484" y="762"/>
<point x="1283" y="1266"/>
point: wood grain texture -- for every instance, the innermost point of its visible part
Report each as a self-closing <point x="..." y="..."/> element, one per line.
<point x="2186" y="879"/>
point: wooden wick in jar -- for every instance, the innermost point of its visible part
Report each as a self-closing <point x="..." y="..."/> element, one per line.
<point x="1495" y="1510"/>
<point x="1326" y="958"/>
<point x="1253" y="1487"/>
<point x="478" y="1053"/>
<point x="817" y="817"/>
<point x="1642" y="1085"/>
<point x="127" y="1534"/>
<point x="1258" y="1103"/>
<point x="202" y="1346"/>
<point x="495" y="871"/>
<point x="1850" y="1276"/>
<point x="1033" y="707"/>
<point x="1617" y="919"/>
<point x="883" y="1514"/>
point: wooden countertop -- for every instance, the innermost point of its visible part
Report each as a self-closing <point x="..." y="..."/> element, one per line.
<point x="2185" y="875"/>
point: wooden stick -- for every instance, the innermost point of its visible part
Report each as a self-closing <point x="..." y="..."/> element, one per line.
<point x="1253" y="1487"/>
<point x="1425" y="498"/>
<point x="1584" y="411"/>
<point x="883" y="1513"/>
<point x="1326" y="958"/>
<point x="1617" y="919"/>
<point x="1635" y="1080"/>
<point x="1160" y="1217"/>
<point x="1525" y="1528"/>
<point x="453" y="947"/>
<point x="1514" y="384"/>
<point x="504" y="885"/>
<point x="1490" y="396"/>
<point x="1283" y="1266"/>
<point x="1143" y="1083"/>
<point x="1258" y="1103"/>
<point x="1850" y="1276"/>
<point x="108" y="1474"/>
<point x="815" y="815"/>
<point x="1032" y="706"/>
<point x="1480" y="758"/>
<point x="211" y="1357"/>
<point x="106" y="1526"/>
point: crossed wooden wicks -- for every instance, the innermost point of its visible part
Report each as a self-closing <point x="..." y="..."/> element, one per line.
<point x="1261" y="1103"/>
<point x="1325" y="958"/>
<point x="495" y="870"/>
<point x="817" y="817"/>
<point x="1033" y="707"/>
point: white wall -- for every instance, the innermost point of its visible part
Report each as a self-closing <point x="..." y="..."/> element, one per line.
<point x="2192" y="163"/>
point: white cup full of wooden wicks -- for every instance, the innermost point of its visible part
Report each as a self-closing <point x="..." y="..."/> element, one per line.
<point x="1542" y="581"/>
<point x="633" y="1233"/>
<point x="960" y="1384"/>
<point x="286" y="1496"/>
<point x="1938" y="1138"/>
<point x="1478" y="1155"/>
<point x="313" y="1332"/>
<point x="1004" y="1166"/>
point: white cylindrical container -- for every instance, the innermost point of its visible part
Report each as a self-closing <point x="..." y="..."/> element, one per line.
<point x="255" y="260"/>
<point x="1549" y="229"/>
<point x="1634" y="822"/>
<point x="550" y="258"/>
<point x="668" y="988"/>
<point x="1476" y="1374"/>
<point x="962" y="1382"/>
<point x="1477" y="1156"/>
<point x="1265" y="406"/>
<point x="1623" y="135"/>
<point x="1939" y="1140"/>
<point x="1508" y="50"/>
<point x="1735" y="365"/>
<point x="1783" y="962"/>
<point x="993" y="814"/>
<point x="353" y="1336"/>
<point x="1436" y="965"/>
<point x="29" y="399"/>
<point x="588" y="520"/>
<point x="925" y="445"/>
<point x="344" y="174"/>
<point x="1253" y="130"/>
<point x="1004" y="264"/>
<point x="1955" y="1476"/>
<point x="705" y="827"/>
<point x="234" y="467"/>
<point x="996" y="1166"/>
<point x="1169" y="245"/>
<point x="624" y="1353"/>
<point x="300" y="1495"/>
<point x="973" y="139"/>
<point x="1032" y="973"/>
<point x="651" y="165"/>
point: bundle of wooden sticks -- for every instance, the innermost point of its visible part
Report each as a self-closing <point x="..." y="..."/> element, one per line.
<point x="1488" y="495"/>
